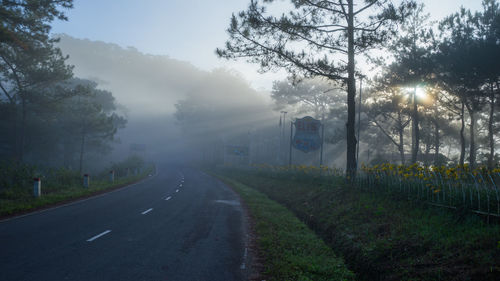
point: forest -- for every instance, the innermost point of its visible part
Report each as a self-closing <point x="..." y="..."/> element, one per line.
<point x="48" y="116"/>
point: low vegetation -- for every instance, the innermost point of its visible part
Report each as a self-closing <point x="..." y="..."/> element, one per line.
<point x="59" y="185"/>
<point x="381" y="235"/>
<point x="291" y="250"/>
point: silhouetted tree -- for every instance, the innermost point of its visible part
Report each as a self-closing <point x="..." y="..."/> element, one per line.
<point x="29" y="61"/>
<point x="316" y="37"/>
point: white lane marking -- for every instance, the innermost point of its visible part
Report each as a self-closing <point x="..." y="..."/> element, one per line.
<point x="168" y="198"/>
<point x="99" y="235"/>
<point x="176" y="190"/>
<point x="147" y="211"/>
<point x="180" y="185"/>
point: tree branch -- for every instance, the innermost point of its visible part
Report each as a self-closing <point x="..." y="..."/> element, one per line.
<point x="11" y="100"/>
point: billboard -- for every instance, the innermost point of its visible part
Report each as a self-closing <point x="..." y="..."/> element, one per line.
<point x="307" y="137"/>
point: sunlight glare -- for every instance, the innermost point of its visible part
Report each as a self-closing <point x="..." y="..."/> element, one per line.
<point x="421" y="93"/>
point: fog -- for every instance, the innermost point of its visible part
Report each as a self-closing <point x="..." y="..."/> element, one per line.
<point x="211" y="106"/>
<point x="177" y="112"/>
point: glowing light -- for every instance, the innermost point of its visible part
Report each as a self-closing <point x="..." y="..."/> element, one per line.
<point x="421" y="93"/>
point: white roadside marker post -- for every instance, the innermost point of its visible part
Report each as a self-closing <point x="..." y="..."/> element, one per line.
<point x="112" y="176"/>
<point x="37" y="187"/>
<point x="86" y="180"/>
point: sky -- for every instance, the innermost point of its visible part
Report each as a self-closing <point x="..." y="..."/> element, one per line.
<point x="188" y="30"/>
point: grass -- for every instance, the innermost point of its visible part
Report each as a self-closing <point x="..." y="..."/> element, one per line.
<point x="14" y="201"/>
<point x="291" y="250"/>
<point x="382" y="237"/>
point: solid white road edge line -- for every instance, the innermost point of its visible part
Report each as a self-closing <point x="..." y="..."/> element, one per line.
<point x="99" y="235"/>
<point x="147" y="211"/>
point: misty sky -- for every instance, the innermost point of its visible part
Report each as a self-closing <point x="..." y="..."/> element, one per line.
<point x="187" y="30"/>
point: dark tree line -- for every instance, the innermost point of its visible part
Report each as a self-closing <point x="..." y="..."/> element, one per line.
<point x="456" y="67"/>
<point x="46" y="115"/>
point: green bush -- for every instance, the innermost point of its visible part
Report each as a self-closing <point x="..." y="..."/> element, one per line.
<point x="15" y="175"/>
<point x="16" y="183"/>
<point x="132" y="165"/>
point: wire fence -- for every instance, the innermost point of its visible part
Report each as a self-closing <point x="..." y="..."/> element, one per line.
<point x="457" y="187"/>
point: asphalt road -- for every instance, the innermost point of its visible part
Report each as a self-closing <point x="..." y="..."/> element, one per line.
<point x="180" y="224"/>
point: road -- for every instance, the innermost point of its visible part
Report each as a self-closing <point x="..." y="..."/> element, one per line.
<point x="179" y="224"/>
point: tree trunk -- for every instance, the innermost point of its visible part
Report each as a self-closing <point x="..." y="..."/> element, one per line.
<point x="491" y="156"/>
<point x="82" y="146"/>
<point x="427" y="148"/>
<point x="351" y="95"/>
<point x="67" y="153"/>
<point x="462" y="135"/>
<point x="415" y="129"/>
<point x="401" y="140"/>
<point x="22" y="136"/>
<point x="436" y="144"/>
<point x="472" y="137"/>
<point x="16" y="134"/>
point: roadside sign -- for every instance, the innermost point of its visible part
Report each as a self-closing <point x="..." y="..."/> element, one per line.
<point x="237" y="150"/>
<point x="307" y="137"/>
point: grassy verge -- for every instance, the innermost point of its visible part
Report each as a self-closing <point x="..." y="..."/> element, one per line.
<point x="15" y="203"/>
<point x="386" y="238"/>
<point x="291" y="250"/>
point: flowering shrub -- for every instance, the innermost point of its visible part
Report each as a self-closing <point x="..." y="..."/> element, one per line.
<point x="457" y="187"/>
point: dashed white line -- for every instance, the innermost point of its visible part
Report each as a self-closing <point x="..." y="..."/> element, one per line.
<point x="168" y="198"/>
<point x="99" y="235"/>
<point x="176" y="190"/>
<point x="147" y="211"/>
<point x="180" y="185"/>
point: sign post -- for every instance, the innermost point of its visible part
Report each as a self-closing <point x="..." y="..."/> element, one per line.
<point x="37" y="187"/>
<point x="86" y="180"/>
<point x="112" y="176"/>
<point x="290" y="152"/>
<point x="322" y="142"/>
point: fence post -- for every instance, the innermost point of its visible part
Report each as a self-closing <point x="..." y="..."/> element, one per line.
<point x="37" y="187"/>
<point x="86" y="180"/>
<point x="112" y="176"/>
